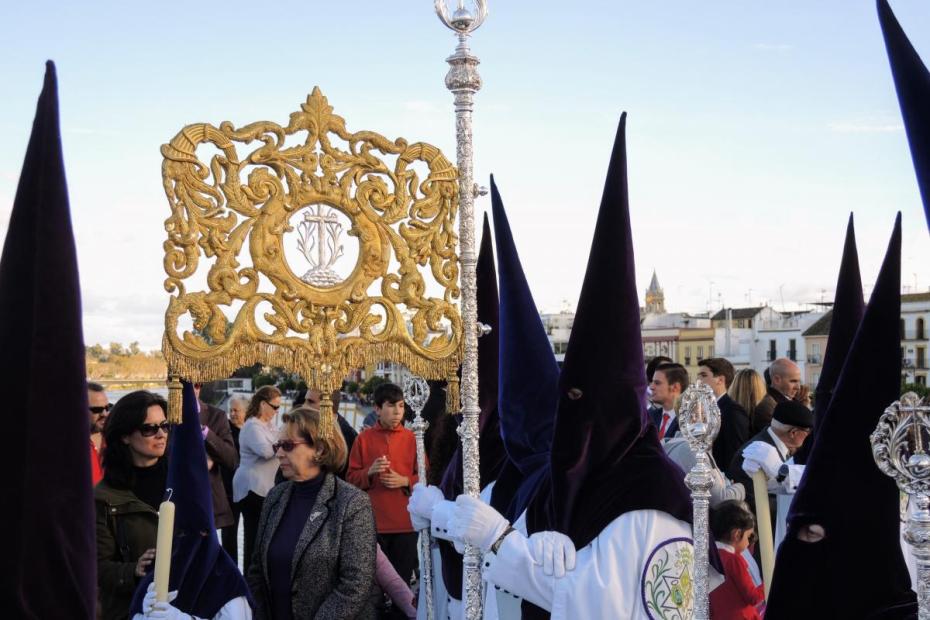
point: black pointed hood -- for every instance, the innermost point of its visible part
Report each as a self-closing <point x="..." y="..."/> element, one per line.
<point x="48" y="498"/>
<point x="848" y="308"/>
<point x="857" y="570"/>
<point x="912" y="83"/>
<point x="606" y="457"/>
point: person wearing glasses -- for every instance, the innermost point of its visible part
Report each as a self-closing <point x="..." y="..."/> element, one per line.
<point x="315" y="548"/>
<point x="257" y="463"/>
<point x="126" y="500"/>
<point x="733" y="527"/>
<point x="99" y="409"/>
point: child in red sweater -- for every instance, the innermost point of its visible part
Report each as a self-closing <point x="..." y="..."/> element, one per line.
<point x="383" y="462"/>
<point x="738" y="598"/>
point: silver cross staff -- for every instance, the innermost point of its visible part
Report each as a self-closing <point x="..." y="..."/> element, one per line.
<point x="899" y="446"/>
<point x="416" y="393"/>
<point x="699" y="423"/>
<point x="463" y="81"/>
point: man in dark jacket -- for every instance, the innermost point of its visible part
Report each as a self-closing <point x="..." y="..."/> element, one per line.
<point x="221" y="453"/>
<point x="718" y="373"/>
<point x="786" y="382"/>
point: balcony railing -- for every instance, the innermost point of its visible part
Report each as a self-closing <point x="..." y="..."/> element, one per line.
<point x="813" y="359"/>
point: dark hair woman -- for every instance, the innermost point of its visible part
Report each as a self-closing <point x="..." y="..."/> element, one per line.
<point x="257" y="465"/>
<point x="127" y="499"/>
<point x="315" y="549"/>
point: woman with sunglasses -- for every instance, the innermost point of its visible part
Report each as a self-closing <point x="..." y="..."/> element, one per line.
<point x="315" y="550"/>
<point x="127" y="499"/>
<point x="257" y="463"/>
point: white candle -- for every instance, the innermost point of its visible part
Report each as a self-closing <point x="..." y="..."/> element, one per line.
<point x="163" y="550"/>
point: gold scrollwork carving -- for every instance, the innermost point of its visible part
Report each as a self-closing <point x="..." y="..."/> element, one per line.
<point x="232" y="213"/>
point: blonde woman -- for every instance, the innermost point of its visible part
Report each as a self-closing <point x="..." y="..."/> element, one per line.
<point x="748" y="389"/>
<point x="257" y="463"/>
<point x="315" y="548"/>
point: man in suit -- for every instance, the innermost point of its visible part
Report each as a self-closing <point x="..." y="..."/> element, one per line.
<point x="791" y="423"/>
<point x="221" y="453"/>
<point x="668" y="382"/>
<point x="718" y="373"/>
<point x="786" y="383"/>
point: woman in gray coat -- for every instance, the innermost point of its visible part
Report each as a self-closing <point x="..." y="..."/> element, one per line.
<point x="315" y="546"/>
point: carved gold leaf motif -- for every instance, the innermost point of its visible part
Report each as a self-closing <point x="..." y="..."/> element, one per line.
<point x="234" y="213"/>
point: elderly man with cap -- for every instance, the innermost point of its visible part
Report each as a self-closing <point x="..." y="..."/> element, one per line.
<point x="771" y="451"/>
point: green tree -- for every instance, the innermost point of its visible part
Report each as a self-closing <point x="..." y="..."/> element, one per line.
<point x="371" y="384"/>
<point x="96" y="351"/>
<point x="262" y="379"/>
<point x="134" y="348"/>
<point x="116" y="349"/>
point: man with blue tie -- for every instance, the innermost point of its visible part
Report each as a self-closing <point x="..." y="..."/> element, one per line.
<point x="668" y="382"/>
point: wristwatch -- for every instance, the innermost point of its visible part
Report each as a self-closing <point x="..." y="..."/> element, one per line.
<point x="500" y="540"/>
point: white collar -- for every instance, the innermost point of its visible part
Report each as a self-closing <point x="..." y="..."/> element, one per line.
<point x="726" y="547"/>
<point x="670" y="413"/>
<point x="779" y="445"/>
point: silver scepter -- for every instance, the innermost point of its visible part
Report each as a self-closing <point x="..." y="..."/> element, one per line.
<point x="699" y="423"/>
<point x="416" y="393"/>
<point x="899" y="446"/>
<point x="463" y="81"/>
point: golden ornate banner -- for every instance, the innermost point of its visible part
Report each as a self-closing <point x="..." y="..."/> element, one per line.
<point x="262" y="218"/>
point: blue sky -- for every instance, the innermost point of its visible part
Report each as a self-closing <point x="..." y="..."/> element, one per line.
<point x="754" y="128"/>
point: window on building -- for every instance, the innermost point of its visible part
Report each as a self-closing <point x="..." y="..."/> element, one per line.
<point x="920" y="329"/>
<point x="749" y="323"/>
<point x="921" y="380"/>
<point x="903" y="337"/>
<point x="687" y="356"/>
<point x="773" y="350"/>
<point x="710" y="351"/>
<point x="793" y="350"/>
<point x="700" y="352"/>
<point x="921" y="357"/>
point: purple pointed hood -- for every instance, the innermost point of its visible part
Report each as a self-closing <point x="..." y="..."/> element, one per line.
<point x="48" y="499"/>
<point x="606" y="457"/>
<point x="529" y="375"/>
<point x="848" y="308"/>
<point x="204" y="575"/>
<point x="839" y="576"/>
<point x="912" y="83"/>
<point x="490" y="444"/>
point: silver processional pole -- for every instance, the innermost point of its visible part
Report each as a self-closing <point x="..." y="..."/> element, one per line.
<point x="699" y="423"/>
<point x="416" y="393"/>
<point x="899" y="445"/>
<point x="463" y="81"/>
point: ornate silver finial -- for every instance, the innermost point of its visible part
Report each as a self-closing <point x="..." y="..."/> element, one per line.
<point x="699" y="421"/>
<point x="462" y="21"/>
<point x="416" y="393"/>
<point x="899" y="446"/>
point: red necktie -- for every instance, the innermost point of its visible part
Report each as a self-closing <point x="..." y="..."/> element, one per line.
<point x="664" y="425"/>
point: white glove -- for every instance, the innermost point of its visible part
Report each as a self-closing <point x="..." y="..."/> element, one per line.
<point x="148" y="601"/>
<point x="420" y="505"/>
<point x="167" y="611"/>
<point x="475" y="522"/>
<point x="554" y="551"/>
<point x="760" y="455"/>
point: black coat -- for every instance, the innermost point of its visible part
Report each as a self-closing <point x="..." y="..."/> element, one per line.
<point x="222" y="451"/>
<point x="734" y="430"/>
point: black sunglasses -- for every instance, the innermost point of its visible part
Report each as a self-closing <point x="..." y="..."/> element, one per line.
<point x="150" y="430"/>
<point x="99" y="410"/>
<point x="289" y="444"/>
<point x="275" y="407"/>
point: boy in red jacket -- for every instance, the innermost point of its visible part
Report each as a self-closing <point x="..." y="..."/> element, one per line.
<point x="738" y="598"/>
<point x="383" y="462"/>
